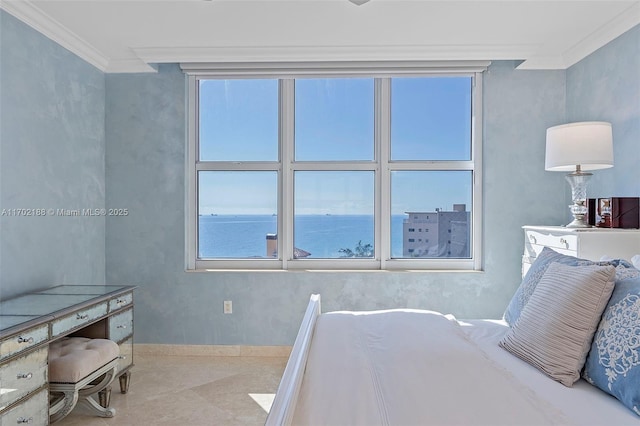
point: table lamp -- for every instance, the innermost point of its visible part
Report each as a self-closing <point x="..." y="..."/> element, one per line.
<point x="577" y="147"/>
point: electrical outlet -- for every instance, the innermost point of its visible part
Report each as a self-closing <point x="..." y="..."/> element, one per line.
<point x="227" y="307"/>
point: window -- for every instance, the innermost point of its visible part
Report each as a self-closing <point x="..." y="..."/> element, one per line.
<point x="334" y="170"/>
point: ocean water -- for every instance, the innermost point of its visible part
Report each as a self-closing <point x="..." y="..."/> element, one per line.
<point x="242" y="236"/>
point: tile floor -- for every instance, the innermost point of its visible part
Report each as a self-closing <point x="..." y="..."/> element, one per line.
<point x="192" y="390"/>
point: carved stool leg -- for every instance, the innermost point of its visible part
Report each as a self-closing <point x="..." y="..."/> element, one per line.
<point x="96" y="408"/>
<point x="102" y="388"/>
<point x="63" y="406"/>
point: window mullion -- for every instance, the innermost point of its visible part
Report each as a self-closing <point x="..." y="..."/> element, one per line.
<point x="192" y="174"/>
<point x="335" y="166"/>
<point x="431" y="165"/>
<point x="237" y="165"/>
<point x="476" y="156"/>
<point x="286" y="190"/>
<point x="383" y="185"/>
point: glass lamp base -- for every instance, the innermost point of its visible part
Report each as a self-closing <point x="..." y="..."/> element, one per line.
<point x="578" y="222"/>
<point x="578" y="181"/>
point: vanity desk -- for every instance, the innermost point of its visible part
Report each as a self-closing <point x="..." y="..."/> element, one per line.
<point x="30" y="322"/>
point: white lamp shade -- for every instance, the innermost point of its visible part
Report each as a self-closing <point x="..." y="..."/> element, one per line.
<point x="588" y="144"/>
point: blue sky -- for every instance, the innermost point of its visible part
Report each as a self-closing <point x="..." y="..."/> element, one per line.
<point x="430" y="120"/>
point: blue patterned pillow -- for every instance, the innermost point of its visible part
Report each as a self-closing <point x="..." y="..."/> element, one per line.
<point x="613" y="363"/>
<point x="624" y="270"/>
<point x="532" y="277"/>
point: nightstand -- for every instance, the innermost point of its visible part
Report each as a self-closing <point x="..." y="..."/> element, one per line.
<point x="586" y="243"/>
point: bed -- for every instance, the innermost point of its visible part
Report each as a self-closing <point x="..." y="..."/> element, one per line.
<point x="420" y="367"/>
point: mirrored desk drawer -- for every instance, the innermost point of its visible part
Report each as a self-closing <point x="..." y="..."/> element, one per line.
<point x="126" y="354"/>
<point x="121" y="326"/>
<point x="22" y="376"/>
<point x="34" y="411"/>
<point x="77" y="320"/>
<point x="120" y="301"/>
<point x="23" y="341"/>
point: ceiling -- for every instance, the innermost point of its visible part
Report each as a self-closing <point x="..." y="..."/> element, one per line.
<point x="129" y="35"/>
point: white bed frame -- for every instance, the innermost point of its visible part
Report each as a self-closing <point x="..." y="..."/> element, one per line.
<point x="284" y="404"/>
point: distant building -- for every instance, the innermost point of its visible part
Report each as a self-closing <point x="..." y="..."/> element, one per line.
<point x="272" y="248"/>
<point x="272" y="245"/>
<point x="437" y="234"/>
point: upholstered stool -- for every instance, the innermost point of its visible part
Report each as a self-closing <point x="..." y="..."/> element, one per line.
<point x="78" y="369"/>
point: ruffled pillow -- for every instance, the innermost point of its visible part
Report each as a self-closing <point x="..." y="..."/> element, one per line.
<point x="555" y="330"/>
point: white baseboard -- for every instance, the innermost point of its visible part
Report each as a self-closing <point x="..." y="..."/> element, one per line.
<point x="211" y="350"/>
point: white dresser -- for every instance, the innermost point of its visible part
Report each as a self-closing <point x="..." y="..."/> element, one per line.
<point x="586" y="243"/>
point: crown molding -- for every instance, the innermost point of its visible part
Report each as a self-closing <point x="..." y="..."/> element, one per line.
<point x="622" y="23"/>
<point x="129" y="66"/>
<point x="333" y="68"/>
<point x="33" y="16"/>
<point x="328" y="53"/>
<point x="603" y="35"/>
<point x="552" y="62"/>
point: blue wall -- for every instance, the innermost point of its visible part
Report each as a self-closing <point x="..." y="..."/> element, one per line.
<point x="51" y="157"/>
<point x="73" y="138"/>
<point x="605" y="86"/>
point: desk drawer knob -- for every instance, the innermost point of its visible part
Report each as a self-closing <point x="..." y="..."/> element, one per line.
<point x="82" y="317"/>
<point x="23" y="340"/>
<point x="22" y="420"/>
<point x="532" y="238"/>
<point x="565" y="242"/>
<point x="27" y="376"/>
<point x="121" y="326"/>
<point x="122" y="357"/>
<point x="121" y="302"/>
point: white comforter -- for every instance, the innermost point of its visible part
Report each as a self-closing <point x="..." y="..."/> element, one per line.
<point x="409" y="367"/>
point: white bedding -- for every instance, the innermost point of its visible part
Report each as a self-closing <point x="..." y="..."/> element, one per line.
<point x="411" y="367"/>
<point x="582" y="404"/>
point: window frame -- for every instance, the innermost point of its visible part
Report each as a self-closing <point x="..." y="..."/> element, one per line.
<point x="286" y="166"/>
